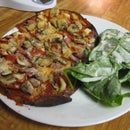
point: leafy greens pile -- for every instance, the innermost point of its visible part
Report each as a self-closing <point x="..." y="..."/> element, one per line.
<point x="108" y="69"/>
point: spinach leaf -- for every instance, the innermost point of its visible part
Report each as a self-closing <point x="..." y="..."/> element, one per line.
<point x="94" y="71"/>
<point x="114" y="44"/>
<point x="108" y="42"/>
<point x="125" y="41"/>
<point x="99" y="79"/>
<point x="87" y="52"/>
<point x="107" y="91"/>
<point x="126" y="78"/>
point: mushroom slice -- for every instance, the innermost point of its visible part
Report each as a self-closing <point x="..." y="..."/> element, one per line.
<point x="27" y="87"/>
<point x="5" y="67"/>
<point x="62" y="23"/>
<point x="22" y="60"/>
<point x="63" y="84"/>
<point x="75" y="27"/>
<point x="58" y="38"/>
<point x="27" y="44"/>
<point x="7" y="80"/>
<point x="54" y="12"/>
<point x="35" y="82"/>
<point x="6" y="72"/>
<point x="19" y="76"/>
<point x="31" y="71"/>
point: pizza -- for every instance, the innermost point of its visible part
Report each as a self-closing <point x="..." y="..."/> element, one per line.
<point x="33" y="59"/>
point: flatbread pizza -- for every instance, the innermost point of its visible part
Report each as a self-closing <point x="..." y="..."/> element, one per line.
<point x="33" y="59"/>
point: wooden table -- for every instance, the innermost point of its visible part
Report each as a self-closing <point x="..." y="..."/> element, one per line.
<point x="117" y="11"/>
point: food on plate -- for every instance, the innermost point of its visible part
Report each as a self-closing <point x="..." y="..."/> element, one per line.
<point x="108" y="69"/>
<point x="33" y="59"/>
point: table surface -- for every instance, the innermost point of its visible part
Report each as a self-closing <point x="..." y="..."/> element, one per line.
<point x="117" y="11"/>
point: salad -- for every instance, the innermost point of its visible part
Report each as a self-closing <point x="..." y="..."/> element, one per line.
<point x="107" y="70"/>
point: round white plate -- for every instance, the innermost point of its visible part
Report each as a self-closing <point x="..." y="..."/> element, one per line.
<point x="82" y="111"/>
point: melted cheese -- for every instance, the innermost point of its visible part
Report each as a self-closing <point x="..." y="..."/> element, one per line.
<point x="45" y="72"/>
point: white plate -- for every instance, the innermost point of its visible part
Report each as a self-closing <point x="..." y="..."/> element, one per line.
<point x="31" y="5"/>
<point x="82" y="111"/>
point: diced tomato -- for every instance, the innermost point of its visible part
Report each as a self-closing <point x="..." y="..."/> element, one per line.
<point x="36" y="51"/>
<point x="85" y="23"/>
<point x="68" y="38"/>
<point x="73" y="49"/>
<point x="11" y="58"/>
<point x="3" y="41"/>
<point x="49" y="89"/>
<point x="3" y="52"/>
<point x="71" y="21"/>
<point x="71" y="37"/>
<point x="56" y="48"/>
<point x="21" y="28"/>
<point x="57" y="78"/>
<point x="20" y="39"/>
<point x="47" y="13"/>
<point x="74" y="58"/>
<point x="32" y="20"/>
